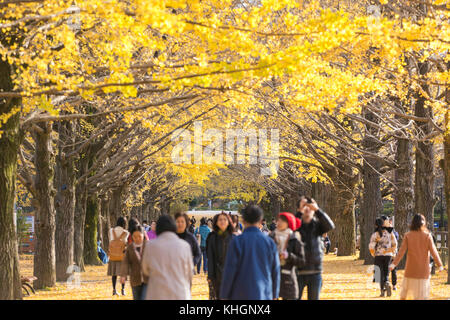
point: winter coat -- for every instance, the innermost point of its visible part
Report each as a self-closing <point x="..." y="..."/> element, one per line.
<point x="384" y="245"/>
<point x="216" y="251"/>
<point x="295" y="259"/>
<point x="311" y="235"/>
<point x="167" y="262"/>
<point x="203" y="230"/>
<point x="252" y="268"/>
<point x="196" y="254"/>
<point x="131" y="265"/>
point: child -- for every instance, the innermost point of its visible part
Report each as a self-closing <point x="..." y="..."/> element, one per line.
<point x="291" y="252"/>
<point x="131" y="264"/>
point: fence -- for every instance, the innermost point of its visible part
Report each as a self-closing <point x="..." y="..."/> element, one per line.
<point x="442" y="245"/>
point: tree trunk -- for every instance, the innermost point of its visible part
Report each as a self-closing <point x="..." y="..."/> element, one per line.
<point x="44" y="258"/>
<point x="275" y="205"/>
<point x="10" y="140"/>
<point x="345" y="222"/>
<point x="404" y="192"/>
<point x="106" y="223"/>
<point x="447" y="181"/>
<point x="325" y="198"/>
<point x="371" y="206"/>
<point x="80" y="214"/>
<point x="446" y="168"/>
<point x="424" y="178"/>
<point x="117" y="204"/>
<point x="65" y="204"/>
<point x="372" y="203"/>
<point x="90" y="234"/>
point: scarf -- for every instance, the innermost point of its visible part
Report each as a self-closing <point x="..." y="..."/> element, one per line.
<point x="281" y="238"/>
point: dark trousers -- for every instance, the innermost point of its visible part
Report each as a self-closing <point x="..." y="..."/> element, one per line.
<point x="382" y="262"/>
<point x="214" y="289"/>
<point x="394" y="276"/>
<point x="138" y="292"/>
<point x="205" y="261"/>
<point x="327" y="247"/>
<point x="313" y="282"/>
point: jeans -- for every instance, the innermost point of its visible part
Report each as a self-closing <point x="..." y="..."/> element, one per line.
<point x="313" y="282"/>
<point x="205" y="261"/>
<point x="138" y="292"/>
<point x="382" y="262"/>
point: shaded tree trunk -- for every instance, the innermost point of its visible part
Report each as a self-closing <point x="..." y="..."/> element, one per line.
<point x="80" y="214"/>
<point x="90" y="235"/>
<point x="446" y="168"/>
<point x="65" y="204"/>
<point x="404" y="192"/>
<point x="372" y="203"/>
<point x="106" y="223"/>
<point x="10" y="140"/>
<point x="345" y="222"/>
<point x="275" y="205"/>
<point x="424" y="178"/>
<point x="117" y="205"/>
<point x="326" y="199"/>
<point x="371" y="206"/>
<point x="44" y="258"/>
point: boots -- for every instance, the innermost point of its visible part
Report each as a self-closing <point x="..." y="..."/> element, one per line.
<point x="388" y="288"/>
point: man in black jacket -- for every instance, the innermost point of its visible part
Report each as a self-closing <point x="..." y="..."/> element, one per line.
<point x="315" y="223"/>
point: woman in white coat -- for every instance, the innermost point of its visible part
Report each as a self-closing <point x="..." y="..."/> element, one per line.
<point x="167" y="262"/>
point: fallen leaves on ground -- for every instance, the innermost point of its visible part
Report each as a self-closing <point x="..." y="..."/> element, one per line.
<point x="344" y="278"/>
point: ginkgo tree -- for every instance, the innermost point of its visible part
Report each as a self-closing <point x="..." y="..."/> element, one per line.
<point x="151" y="54"/>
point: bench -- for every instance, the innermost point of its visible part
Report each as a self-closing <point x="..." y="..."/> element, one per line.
<point x="27" y="285"/>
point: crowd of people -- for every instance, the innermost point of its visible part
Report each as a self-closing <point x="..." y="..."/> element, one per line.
<point x="254" y="260"/>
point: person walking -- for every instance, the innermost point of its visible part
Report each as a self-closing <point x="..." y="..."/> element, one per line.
<point x="235" y="219"/>
<point x="418" y="244"/>
<point x="273" y="225"/>
<point x="383" y="246"/>
<point x="326" y="243"/>
<point x="131" y="264"/>
<point x="132" y="225"/>
<point x="151" y="234"/>
<point x="203" y="230"/>
<point x="217" y="245"/>
<point x="252" y="264"/>
<point x="117" y="245"/>
<point x="291" y="251"/>
<point x="145" y="225"/>
<point x="192" y="225"/>
<point x="264" y="227"/>
<point x="182" y="222"/>
<point x="315" y="223"/>
<point x="167" y="262"/>
<point x="393" y="271"/>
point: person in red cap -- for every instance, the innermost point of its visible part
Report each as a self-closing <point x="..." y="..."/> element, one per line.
<point x="291" y="253"/>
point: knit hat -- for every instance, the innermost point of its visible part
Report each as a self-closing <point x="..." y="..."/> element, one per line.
<point x="293" y="222"/>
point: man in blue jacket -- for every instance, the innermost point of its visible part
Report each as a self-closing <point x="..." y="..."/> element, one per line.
<point x="252" y="264"/>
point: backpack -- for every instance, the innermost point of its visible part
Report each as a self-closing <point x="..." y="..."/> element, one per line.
<point x="116" y="250"/>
